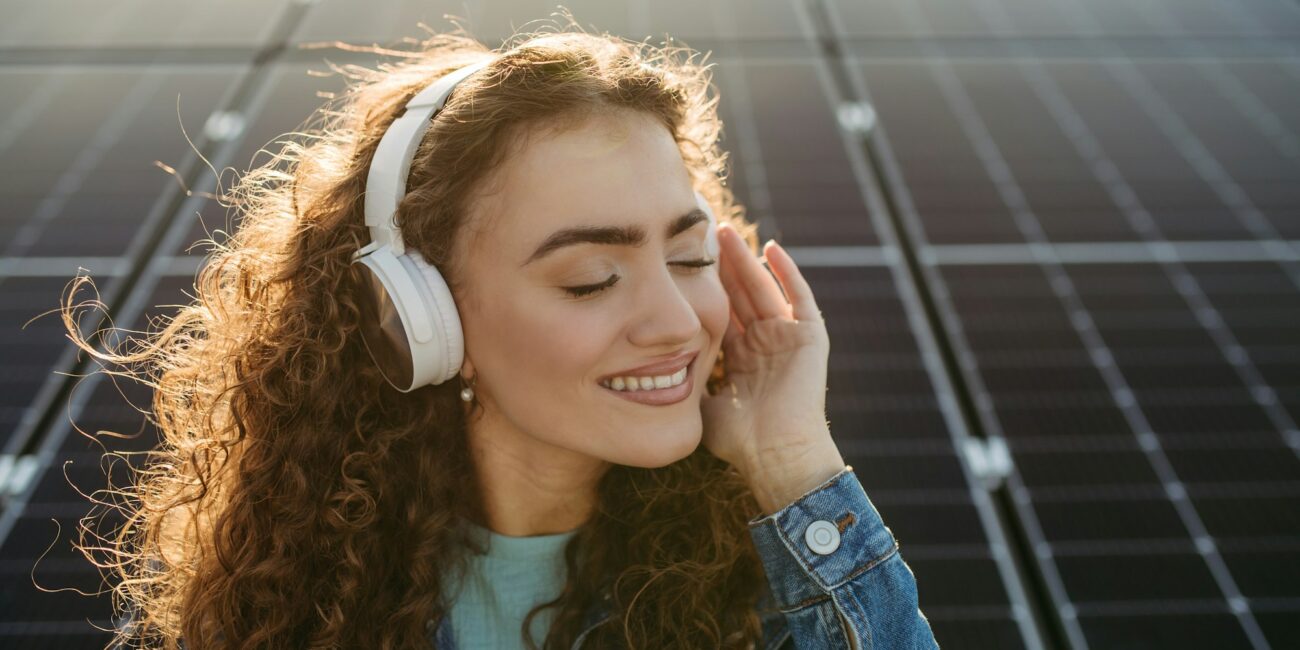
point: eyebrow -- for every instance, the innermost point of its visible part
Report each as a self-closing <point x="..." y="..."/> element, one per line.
<point x="614" y="235"/>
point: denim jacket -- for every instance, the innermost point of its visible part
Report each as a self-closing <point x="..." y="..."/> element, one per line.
<point x="834" y="574"/>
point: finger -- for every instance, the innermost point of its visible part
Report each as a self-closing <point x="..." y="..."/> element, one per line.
<point x="792" y="280"/>
<point x="736" y="291"/>
<point x="764" y="294"/>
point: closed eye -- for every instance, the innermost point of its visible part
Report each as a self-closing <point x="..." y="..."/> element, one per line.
<point x="587" y="290"/>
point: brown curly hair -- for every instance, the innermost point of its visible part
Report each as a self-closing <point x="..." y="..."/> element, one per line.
<point x="295" y="499"/>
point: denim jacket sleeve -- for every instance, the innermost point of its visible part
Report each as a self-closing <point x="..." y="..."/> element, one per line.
<point x="836" y="574"/>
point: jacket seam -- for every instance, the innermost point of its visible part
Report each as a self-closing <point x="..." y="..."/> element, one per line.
<point x="815" y="600"/>
<point x="856" y="604"/>
<point x="850" y="635"/>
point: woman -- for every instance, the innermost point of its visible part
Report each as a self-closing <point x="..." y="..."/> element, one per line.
<point x="536" y="500"/>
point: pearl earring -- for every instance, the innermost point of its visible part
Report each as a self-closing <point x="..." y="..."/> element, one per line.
<point x="467" y="393"/>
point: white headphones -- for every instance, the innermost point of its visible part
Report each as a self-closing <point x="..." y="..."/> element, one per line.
<point x="414" y="333"/>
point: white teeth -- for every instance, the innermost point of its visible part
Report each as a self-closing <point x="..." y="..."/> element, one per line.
<point x="646" y="383"/>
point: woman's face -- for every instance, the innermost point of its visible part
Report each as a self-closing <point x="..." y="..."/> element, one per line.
<point x="538" y="352"/>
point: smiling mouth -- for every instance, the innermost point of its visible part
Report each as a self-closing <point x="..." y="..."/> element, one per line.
<point x="640" y="382"/>
<point x="652" y="371"/>
<point x="660" y="396"/>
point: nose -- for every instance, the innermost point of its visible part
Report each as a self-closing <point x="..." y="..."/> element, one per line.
<point x="665" y="316"/>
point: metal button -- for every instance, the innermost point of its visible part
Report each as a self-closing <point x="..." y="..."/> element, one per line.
<point x="822" y="537"/>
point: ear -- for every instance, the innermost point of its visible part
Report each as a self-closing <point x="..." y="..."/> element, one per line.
<point x="467" y="369"/>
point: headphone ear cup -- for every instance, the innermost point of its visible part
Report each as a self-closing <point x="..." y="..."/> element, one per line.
<point x="412" y="329"/>
<point x="445" y="359"/>
<point x="383" y="331"/>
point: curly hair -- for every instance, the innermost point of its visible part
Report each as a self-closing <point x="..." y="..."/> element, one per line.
<point x="294" y="499"/>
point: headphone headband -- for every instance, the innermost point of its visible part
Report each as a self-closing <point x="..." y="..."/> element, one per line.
<point x="386" y="181"/>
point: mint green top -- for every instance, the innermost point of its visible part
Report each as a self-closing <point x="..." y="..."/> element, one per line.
<point x="517" y="573"/>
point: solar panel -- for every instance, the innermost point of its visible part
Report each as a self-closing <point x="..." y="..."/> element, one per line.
<point x="1112" y="375"/>
<point x="81" y="189"/>
<point x="1071" y="228"/>
<point x="40" y="603"/>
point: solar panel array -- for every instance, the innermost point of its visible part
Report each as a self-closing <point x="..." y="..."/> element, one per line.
<point x="1056" y="243"/>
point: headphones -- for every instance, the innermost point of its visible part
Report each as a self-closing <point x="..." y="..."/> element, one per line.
<point x="414" y="333"/>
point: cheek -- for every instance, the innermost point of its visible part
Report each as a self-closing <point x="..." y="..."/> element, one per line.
<point x="565" y="343"/>
<point x="715" y="313"/>
<point x="526" y="342"/>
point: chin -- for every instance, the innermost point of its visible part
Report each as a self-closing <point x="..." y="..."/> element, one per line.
<point x="656" y="456"/>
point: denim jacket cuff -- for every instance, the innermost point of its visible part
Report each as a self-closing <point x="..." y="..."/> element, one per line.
<point x="789" y="549"/>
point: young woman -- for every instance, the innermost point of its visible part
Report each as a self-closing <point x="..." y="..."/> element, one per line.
<point x="615" y="437"/>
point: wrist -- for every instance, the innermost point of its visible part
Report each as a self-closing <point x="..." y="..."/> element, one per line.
<point x="778" y="480"/>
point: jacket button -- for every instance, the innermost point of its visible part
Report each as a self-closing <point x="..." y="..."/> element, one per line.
<point x="822" y="537"/>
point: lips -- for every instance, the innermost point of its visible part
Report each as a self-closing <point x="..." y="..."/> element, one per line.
<point x="666" y="367"/>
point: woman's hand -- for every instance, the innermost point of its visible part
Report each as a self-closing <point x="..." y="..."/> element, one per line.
<point x="770" y="420"/>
